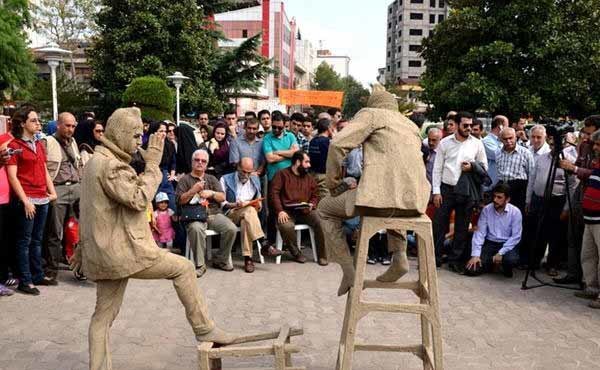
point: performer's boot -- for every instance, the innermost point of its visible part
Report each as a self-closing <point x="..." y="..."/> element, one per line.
<point x="347" y="265"/>
<point x="217" y="336"/>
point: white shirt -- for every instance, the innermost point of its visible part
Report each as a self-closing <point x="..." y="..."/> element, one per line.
<point x="243" y="192"/>
<point x="450" y="155"/>
<point x="545" y="149"/>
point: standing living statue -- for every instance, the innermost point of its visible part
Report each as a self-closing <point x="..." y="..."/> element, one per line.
<point x="393" y="183"/>
<point x="116" y="241"/>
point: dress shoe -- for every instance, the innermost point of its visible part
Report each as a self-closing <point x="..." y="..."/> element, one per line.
<point x="567" y="280"/>
<point x="28" y="290"/>
<point x="270" y="251"/>
<point x="249" y="265"/>
<point x="222" y="266"/>
<point x="47" y="282"/>
<point x="323" y="262"/>
<point x="300" y="258"/>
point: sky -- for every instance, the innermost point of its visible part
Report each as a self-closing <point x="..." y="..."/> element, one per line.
<point x="356" y="28"/>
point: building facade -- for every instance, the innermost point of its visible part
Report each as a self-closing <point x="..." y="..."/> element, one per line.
<point x="408" y="22"/>
<point x="339" y="63"/>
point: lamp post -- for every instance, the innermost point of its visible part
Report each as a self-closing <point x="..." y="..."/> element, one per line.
<point x="177" y="78"/>
<point x="53" y="55"/>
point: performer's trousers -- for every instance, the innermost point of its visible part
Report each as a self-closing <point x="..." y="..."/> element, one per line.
<point x="333" y="211"/>
<point x="109" y="297"/>
<point x="250" y="229"/>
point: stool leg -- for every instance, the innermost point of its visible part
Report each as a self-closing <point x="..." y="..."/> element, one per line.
<point x="434" y="302"/>
<point x="313" y="245"/>
<point x="425" y="324"/>
<point x="352" y="315"/>
<point x="279" y="245"/>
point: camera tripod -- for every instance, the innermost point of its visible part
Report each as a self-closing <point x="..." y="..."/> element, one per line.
<point x="557" y="154"/>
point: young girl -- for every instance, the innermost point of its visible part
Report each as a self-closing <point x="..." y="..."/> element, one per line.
<point x="162" y="228"/>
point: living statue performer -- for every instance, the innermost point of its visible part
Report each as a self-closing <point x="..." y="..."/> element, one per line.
<point x="116" y="241"/>
<point x="393" y="183"/>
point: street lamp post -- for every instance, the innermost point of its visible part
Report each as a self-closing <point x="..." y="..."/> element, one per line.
<point x="53" y="55"/>
<point x="177" y="78"/>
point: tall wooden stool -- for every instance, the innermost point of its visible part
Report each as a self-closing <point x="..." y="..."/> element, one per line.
<point x="426" y="288"/>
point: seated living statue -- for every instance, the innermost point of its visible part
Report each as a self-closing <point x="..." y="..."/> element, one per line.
<point x="393" y="183"/>
<point x="116" y="241"/>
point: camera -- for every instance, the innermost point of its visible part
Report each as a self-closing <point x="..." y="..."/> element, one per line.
<point x="557" y="128"/>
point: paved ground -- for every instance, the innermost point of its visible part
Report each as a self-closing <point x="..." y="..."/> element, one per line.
<point x="488" y="323"/>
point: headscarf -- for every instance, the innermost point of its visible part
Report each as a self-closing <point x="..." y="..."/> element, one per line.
<point x="84" y="134"/>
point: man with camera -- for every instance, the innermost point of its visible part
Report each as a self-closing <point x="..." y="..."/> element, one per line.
<point x="582" y="168"/>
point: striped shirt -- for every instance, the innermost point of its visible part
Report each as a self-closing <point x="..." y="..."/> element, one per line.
<point x="516" y="165"/>
<point x="591" y="199"/>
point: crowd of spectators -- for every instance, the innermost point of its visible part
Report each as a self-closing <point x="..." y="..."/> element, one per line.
<point x="262" y="174"/>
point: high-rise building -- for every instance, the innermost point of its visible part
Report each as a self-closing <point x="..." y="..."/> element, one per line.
<point x="408" y="22"/>
<point x="339" y="63"/>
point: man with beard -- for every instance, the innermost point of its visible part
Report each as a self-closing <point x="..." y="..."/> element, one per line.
<point x="294" y="198"/>
<point x="116" y="242"/>
<point x="454" y="156"/>
<point x="498" y="233"/>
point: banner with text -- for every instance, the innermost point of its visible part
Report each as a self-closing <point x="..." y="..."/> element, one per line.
<point x="311" y="97"/>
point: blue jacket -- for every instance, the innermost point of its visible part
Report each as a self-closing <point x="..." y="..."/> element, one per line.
<point x="231" y="186"/>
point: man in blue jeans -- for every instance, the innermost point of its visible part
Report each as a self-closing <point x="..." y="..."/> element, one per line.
<point x="498" y="233"/>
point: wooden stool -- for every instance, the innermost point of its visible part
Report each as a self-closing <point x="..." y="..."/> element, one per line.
<point x="426" y="288"/>
<point x="209" y="355"/>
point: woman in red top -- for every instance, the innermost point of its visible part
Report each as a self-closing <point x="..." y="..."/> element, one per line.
<point x="32" y="190"/>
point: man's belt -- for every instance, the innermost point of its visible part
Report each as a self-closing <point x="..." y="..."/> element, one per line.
<point x="67" y="183"/>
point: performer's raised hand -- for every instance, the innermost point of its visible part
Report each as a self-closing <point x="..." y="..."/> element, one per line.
<point x="153" y="154"/>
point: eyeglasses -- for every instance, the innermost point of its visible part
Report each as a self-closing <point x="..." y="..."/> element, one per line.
<point x="277" y="128"/>
<point x="465" y="125"/>
<point x="99" y="131"/>
<point x="171" y="130"/>
<point x="200" y="160"/>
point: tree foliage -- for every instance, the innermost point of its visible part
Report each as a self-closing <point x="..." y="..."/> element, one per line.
<point x="326" y="79"/>
<point x="17" y="70"/>
<point x="159" y="37"/>
<point x="71" y="95"/>
<point x="65" y="22"/>
<point x="355" y="96"/>
<point x="152" y="95"/>
<point x="520" y="56"/>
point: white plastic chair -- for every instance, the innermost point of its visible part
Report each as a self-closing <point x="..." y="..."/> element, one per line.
<point x="298" y="228"/>
<point x="209" y="233"/>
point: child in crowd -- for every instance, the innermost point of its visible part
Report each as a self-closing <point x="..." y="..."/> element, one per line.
<point x="162" y="227"/>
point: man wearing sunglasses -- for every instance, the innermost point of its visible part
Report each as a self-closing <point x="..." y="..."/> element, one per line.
<point x="279" y="146"/>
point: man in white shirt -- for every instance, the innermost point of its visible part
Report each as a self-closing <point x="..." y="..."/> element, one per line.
<point x="454" y="156"/>
<point x="242" y="204"/>
<point x="537" y="139"/>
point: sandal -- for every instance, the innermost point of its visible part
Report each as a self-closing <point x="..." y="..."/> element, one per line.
<point x="5" y="292"/>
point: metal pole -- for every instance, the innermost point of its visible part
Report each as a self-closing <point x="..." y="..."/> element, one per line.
<point x="53" y="64"/>
<point x="177" y="111"/>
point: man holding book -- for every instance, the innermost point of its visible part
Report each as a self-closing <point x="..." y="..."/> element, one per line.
<point x="294" y="198"/>
<point x="242" y="204"/>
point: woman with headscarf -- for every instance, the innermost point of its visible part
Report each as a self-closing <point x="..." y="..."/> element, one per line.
<point x="218" y="150"/>
<point x="167" y="164"/>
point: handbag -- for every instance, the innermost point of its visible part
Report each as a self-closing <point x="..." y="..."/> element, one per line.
<point x="196" y="212"/>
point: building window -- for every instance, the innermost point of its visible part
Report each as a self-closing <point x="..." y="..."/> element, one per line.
<point x="440" y="18"/>
<point x="431" y="18"/>
<point x="415" y="48"/>
<point x="389" y="25"/>
<point x="389" y="54"/>
<point x="415" y="32"/>
<point x="388" y="68"/>
<point x="390" y="10"/>
<point x="400" y="18"/>
<point x="399" y="33"/>
<point x="399" y="64"/>
<point x="414" y="63"/>
<point x="414" y="77"/>
<point x="442" y="3"/>
<point x="416" y="1"/>
<point x="432" y="3"/>
<point x="416" y="16"/>
<point x="245" y="33"/>
<point x="399" y="49"/>
<point x="389" y="40"/>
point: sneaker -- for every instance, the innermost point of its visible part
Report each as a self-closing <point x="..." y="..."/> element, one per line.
<point x="79" y="276"/>
<point x="222" y="266"/>
<point x="386" y="261"/>
<point x="323" y="262"/>
<point x="371" y="261"/>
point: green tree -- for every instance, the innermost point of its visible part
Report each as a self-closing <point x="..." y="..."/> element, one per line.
<point x="65" y="22"/>
<point x="72" y="96"/>
<point x="355" y="96"/>
<point x="159" y="37"/>
<point x="152" y="95"/>
<point x="17" y="70"/>
<point x="326" y="79"/>
<point x="520" y="56"/>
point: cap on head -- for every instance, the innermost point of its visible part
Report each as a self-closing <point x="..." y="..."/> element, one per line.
<point x="161" y="197"/>
<point x="382" y="99"/>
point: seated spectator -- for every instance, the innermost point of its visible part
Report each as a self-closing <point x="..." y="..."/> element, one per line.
<point x="590" y="247"/>
<point x="34" y="190"/>
<point x="294" y="198"/>
<point x="248" y="145"/>
<point x="241" y="189"/>
<point x="498" y="233"/>
<point x="195" y="188"/>
<point x="162" y="226"/>
<point x="317" y="151"/>
<point x="218" y="148"/>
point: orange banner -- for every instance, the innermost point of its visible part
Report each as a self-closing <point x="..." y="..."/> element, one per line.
<point x="311" y="97"/>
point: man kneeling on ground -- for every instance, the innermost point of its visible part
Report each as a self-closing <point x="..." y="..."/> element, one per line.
<point x="498" y="233"/>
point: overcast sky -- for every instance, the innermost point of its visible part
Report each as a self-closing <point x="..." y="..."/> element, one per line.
<point x="356" y="28"/>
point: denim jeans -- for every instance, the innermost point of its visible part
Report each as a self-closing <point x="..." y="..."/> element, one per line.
<point x="29" y="234"/>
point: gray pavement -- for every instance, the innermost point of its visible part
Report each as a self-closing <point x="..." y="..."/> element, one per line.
<point x="488" y="322"/>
